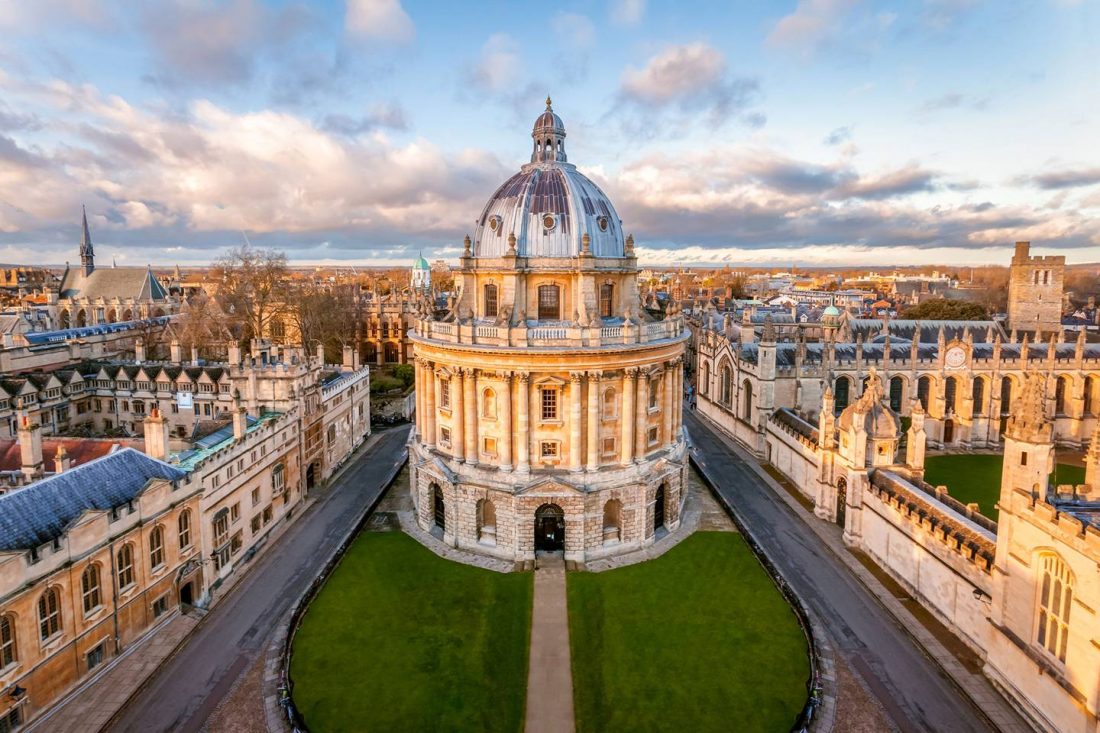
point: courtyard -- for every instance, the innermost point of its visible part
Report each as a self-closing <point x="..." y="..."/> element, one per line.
<point x="976" y="478"/>
<point x="399" y="639"/>
<point x="698" y="639"/>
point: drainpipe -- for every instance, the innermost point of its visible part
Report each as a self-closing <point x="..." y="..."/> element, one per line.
<point x="114" y="598"/>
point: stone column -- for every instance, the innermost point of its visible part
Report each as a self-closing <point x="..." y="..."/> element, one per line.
<point x="593" y="421"/>
<point x="506" y="424"/>
<point x="627" y="418"/>
<point x="534" y="413"/>
<point x="523" y="444"/>
<point x="421" y="389"/>
<point x="678" y="399"/>
<point x="668" y="386"/>
<point x="641" y="409"/>
<point x="458" y="417"/>
<point x="469" y="411"/>
<point x="431" y="398"/>
<point x="575" y="447"/>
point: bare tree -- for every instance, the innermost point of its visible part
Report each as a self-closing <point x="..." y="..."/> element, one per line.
<point x="326" y="315"/>
<point x="252" y="288"/>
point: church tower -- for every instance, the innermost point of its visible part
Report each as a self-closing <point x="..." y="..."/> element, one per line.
<point x="1035" y="291"/>
<point x="87" y="256"/>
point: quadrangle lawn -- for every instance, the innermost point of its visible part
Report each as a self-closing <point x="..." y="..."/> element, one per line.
<point x="696" y="640"/>
<point x="977" y="478"/>
<point x="400" y="639"/>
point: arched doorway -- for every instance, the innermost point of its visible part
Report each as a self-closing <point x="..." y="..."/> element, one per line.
<point x="659" y="508"/>
<point x="311" y="476"/>
<point x="841" y="501"/>
<point x="187" y="596"/>
<point x="948" y="432"/>
<point x="549" y="528"/>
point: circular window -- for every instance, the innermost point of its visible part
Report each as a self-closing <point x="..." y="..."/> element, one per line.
<point x="494" y="222"/>
<point x="548" y="221"/>
<point x="602" y="221"/>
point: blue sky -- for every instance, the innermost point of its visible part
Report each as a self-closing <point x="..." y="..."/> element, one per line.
<point x="819" y="131"/>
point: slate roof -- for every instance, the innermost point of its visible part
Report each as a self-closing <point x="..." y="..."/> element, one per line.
<point x="32" y="516"/>
<point x="901" y="328"/>
<point x="112" y="282"/>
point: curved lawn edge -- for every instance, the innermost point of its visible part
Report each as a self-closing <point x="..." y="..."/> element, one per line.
<point x="292" y="719"/>
<point x="813" y="682"/>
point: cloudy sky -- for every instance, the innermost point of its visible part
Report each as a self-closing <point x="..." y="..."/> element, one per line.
<point x="808" y="131"/>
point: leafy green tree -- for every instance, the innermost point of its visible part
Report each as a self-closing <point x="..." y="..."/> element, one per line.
<point x="947" y="310"/>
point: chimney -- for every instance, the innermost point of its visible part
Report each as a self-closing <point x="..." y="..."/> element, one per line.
<point x="61" y="461"/>
<point x="240" y="421"/>
<point x="176" y="352"/>
<point x="139" y="350"/>
<point x="349" y="359"/>
<point x="156" y="435"/>
<point x="321" y="353"/>
<point x="30" y="448"/>
<point x="234" y="354"/>
<point x="194" y="355"/>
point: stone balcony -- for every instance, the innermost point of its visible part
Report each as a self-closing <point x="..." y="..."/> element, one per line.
<point x="556" y="335"/>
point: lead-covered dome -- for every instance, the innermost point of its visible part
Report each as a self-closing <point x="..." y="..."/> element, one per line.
<point x="549" y="205"/>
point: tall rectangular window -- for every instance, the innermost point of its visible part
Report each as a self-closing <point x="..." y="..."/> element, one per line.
<point x="445" y="394"/>
<point x="549" y="401"/>
<point x="607" y="290"/>
<point x="549" y="303"/>
<point x="490" y="301"/>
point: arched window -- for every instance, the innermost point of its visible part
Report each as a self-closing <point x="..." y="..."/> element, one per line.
<point x="612" y="521"/>
<point x="924" y="388"/>
<point x="156" y="547"/>
<point x="49" y="613"/>
<point x="610" y="403"/>
<point x="1060" y="396"/>
<point x="841" y="393"/>
<point x="125" y="566"/>
<point x="389" y="351"/>
<point x="727" y="386"/>
<point x="746" y="401"/>
<point x="549" y="303"/>
<point x="607" y="292"/>
<point x="489" y="404"/>
<point x="185" y="529"/>
<point x="1055" y="602"/>
<point x="490" y="301"/>
<point x="9" y="653"/>
<point x="897" y="385"/>
<point x="950" y="388"/>
<point x="1006" y="395"/>
<point x="1089" y="386"/>
<point x="704" y="383"/>
<point x="978" y="395"/>
<point x="486" y="522"/>
<point x="89" y="588"/>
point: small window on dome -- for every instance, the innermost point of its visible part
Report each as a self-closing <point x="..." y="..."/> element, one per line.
<point x="548" y="221"/>
<point x="494" y="223"/>
<point x="602" y="221"/>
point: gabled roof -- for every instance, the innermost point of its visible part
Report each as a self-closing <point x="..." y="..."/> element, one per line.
<point x="112" y="282"/>
<point x="42" y="512"/>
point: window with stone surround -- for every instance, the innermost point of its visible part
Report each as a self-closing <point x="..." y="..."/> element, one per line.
<point x="651" y="437"/>
<point x="445" y="437"/>
<point x="49" y="614"/>
<point x="489" y="446"/>
<point x="654" y="394"/>
<point x="490" y="301"/>
<point x="89" y="588"/>
<point x="610" y="404"/>
<point x="125" y="566"/>
<point x="609" y="446"/>
<point x="549" y="303"/>
<point x="548" y="399"/>
<point x="185" y="529"/>
<point x="549" y="450"/>
<point x="444" y="393"/>
<point x="8" y="651"/>
<point x="607" y="291"/>
<point x="489" y="404"/>
<point x="1055" y="602"/>
<point x="156" y="547"/>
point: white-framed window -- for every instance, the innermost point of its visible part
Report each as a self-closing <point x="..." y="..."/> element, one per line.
<point x="49" y="613"/>
<point x="184" y="525"/>
<point x="125" y="570"/>
<point x="1055" y="604"/>
<point x="444" y="393"/>
<point x="89" y="588"/>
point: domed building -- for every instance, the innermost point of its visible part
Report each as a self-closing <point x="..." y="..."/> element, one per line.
<point x="421" y="278"/>
<point x="548" y="400"/>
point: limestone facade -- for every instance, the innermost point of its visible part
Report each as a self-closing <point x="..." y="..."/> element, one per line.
<point x="548" y="403"/>
<point x="1035" y="291"/>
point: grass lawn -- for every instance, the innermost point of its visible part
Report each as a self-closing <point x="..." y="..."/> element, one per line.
<point x="696" y="640"/>
<point x="400" y="639"/>
<point x="977" y="478"/>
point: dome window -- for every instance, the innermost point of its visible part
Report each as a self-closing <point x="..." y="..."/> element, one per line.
<point x="549" y="221"/>
<point x="602" y="222"/>
<point x="494" y="223"/>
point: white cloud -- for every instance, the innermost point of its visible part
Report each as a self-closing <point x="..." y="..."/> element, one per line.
<point x="499" y="66"/>
<point x="627" y="12"/>
<point x="383" y="20"/>
<point x="676" y="72"/>
<point x="575" y="29"/>
<point x="811" y="23"/>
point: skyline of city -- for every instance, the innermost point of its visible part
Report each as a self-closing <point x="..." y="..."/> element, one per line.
<point x="854" y="133"/>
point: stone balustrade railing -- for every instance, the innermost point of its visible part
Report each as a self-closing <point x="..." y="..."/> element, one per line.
<point x="560" y="335"/>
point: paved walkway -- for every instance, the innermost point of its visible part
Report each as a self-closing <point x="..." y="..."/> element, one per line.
<point x="549" y="675"/>
<point x="89" y="707"/>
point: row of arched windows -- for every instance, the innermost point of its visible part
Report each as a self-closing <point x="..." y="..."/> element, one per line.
<point x="50" y="621"/>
